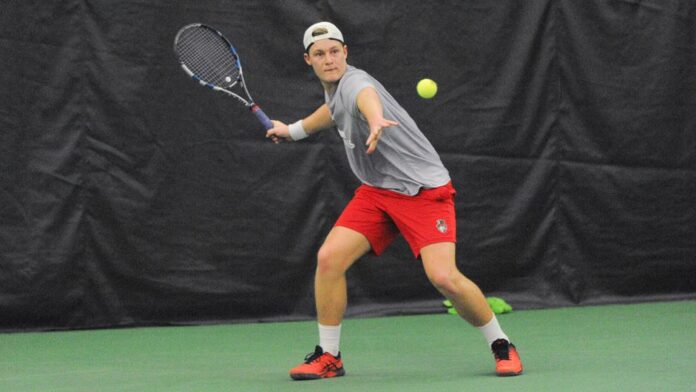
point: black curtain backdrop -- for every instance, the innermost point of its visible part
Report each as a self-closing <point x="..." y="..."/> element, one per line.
<point x="131" y="196"/>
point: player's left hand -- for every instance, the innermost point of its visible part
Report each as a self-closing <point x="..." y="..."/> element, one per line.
<point x="376" y="133"/>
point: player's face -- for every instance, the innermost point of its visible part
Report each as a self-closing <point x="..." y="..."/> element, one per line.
<point x="328" y="59"/>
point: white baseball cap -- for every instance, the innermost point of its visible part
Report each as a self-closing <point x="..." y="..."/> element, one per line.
<point x="321" y="30"/>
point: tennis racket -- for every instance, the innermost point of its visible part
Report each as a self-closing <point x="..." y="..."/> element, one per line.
<point x="211" y="60"/>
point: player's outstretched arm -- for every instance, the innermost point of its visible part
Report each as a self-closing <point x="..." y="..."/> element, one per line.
<point x="370" y="106"/>
<point x="315" y="122"/>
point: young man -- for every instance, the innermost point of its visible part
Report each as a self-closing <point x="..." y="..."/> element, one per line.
<point x="406" y="190"/>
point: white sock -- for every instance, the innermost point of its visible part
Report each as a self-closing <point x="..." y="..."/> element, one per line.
<point x="492" y="331"/>
<point x="330" y="338"/>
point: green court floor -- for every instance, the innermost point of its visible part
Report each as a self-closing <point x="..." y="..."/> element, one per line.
<point x="646" y="347"/>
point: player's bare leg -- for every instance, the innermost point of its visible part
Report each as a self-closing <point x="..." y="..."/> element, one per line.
<point x="467" y="298"/>
<point x="340" y="250"/>
<point x="440" y="265"/>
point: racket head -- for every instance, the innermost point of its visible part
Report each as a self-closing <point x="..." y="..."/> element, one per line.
<point x="207" y="56"/>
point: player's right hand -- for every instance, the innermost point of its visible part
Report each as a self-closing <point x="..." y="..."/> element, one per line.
<point x="279" y="132"/>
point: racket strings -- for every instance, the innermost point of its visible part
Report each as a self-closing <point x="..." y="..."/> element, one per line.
<point x="208" y="56"/>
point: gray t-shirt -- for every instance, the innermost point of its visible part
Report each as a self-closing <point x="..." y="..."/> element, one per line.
<point x="404" y="161"/>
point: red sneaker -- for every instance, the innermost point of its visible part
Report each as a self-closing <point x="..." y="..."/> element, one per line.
<point x="318" y="365"/>
<point x="507" y="361"/>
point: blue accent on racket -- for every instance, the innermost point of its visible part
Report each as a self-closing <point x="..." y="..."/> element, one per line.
<point x="210" y="59"/>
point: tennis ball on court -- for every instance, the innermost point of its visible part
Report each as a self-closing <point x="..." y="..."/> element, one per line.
<point x="498" y="305"/>
<point x="427" y="88"/>
<point x="450" y="308"/>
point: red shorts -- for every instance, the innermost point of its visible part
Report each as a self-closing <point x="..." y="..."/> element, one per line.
<point x="423" y="219"/>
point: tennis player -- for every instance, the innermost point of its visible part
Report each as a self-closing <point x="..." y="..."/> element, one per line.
<point x="405" y="189"/>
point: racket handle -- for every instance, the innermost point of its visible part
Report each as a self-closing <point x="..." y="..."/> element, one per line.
<point x="261" y="116"/>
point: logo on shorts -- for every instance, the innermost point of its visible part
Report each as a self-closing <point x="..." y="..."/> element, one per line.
<point x="441" y="226"/>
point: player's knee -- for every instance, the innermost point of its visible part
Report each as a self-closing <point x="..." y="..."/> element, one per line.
<point x="442" y="280"/>
<point x="329" y="261"/>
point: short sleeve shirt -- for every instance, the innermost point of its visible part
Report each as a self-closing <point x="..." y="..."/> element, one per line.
<point x="404" y="160"/>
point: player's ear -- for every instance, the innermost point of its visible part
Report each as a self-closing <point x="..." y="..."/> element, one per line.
<point x="306" y="59"/>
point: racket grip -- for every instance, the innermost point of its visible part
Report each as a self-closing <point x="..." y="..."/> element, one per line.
<point x="261" y="116"/>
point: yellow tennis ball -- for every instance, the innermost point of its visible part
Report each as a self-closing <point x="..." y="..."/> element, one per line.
<point x="427" y="88"/>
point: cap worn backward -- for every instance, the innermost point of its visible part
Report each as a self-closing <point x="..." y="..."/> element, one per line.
<point x="319" y="31"/>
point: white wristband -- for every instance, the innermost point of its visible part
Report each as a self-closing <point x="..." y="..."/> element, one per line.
<point x="297" y="131"/>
